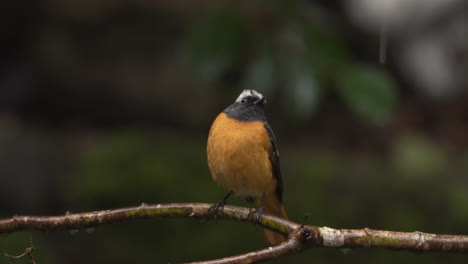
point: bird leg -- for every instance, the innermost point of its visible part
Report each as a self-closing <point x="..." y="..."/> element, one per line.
<point x="258" y="211"/>
<point x="219" y="205"/>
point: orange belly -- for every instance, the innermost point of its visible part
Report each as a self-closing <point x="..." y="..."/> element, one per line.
<point x="238" y="157"/>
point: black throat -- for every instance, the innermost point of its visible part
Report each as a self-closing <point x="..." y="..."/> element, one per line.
<point x="245" y="113"/>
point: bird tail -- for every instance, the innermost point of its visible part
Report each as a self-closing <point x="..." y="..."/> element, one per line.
<point x="272" y="205"/>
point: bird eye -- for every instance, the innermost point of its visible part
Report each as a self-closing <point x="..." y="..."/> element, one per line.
<point x="243" y="101"/>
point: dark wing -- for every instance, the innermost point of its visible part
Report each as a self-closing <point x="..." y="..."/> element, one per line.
<point x="275" y="161"/>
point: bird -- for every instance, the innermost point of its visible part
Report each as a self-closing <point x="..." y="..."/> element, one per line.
<point x="243" y="157"/>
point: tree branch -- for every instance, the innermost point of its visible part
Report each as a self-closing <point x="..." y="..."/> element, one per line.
<point x="301" y="237"/>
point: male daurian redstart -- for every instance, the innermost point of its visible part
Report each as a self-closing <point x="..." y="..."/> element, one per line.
<point x="243" y="158"/>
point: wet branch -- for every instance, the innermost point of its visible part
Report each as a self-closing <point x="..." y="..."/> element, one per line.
<point x="301" y="237"/>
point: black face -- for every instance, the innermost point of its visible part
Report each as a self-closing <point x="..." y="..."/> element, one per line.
<point x="248" y="107"/>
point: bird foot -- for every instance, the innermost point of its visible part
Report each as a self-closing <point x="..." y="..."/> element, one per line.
<point x="258" y="212"/>
<point x="216" y="207"/>
<point x="219" y="205"/>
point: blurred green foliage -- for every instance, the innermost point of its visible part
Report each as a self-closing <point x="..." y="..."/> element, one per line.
<point x="304" y="55"/>
<point x="127" y="162"/>
<point x="369" y="92"/>
<point x="217" y="42"/>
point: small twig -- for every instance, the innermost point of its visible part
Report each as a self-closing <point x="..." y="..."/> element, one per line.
<point x="28" y="252"/>
<point x="301" y="237"/>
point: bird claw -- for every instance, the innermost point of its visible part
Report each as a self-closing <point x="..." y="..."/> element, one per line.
<point x="220" y="204"/>
<point x="216" y="206"/>
<point x="258" y="212"/>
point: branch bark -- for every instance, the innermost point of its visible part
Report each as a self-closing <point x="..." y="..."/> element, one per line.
<point x="300" y="238"/>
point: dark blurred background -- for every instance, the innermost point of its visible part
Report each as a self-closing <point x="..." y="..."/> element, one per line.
<point x="107" y="104"/>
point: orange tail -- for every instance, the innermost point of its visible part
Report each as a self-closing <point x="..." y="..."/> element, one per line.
<point x="272" y="205"/>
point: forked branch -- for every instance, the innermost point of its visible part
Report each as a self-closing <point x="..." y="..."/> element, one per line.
<point x="301" y="237"/>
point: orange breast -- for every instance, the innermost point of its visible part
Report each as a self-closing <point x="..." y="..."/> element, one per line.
<point x="238" y="156"/>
